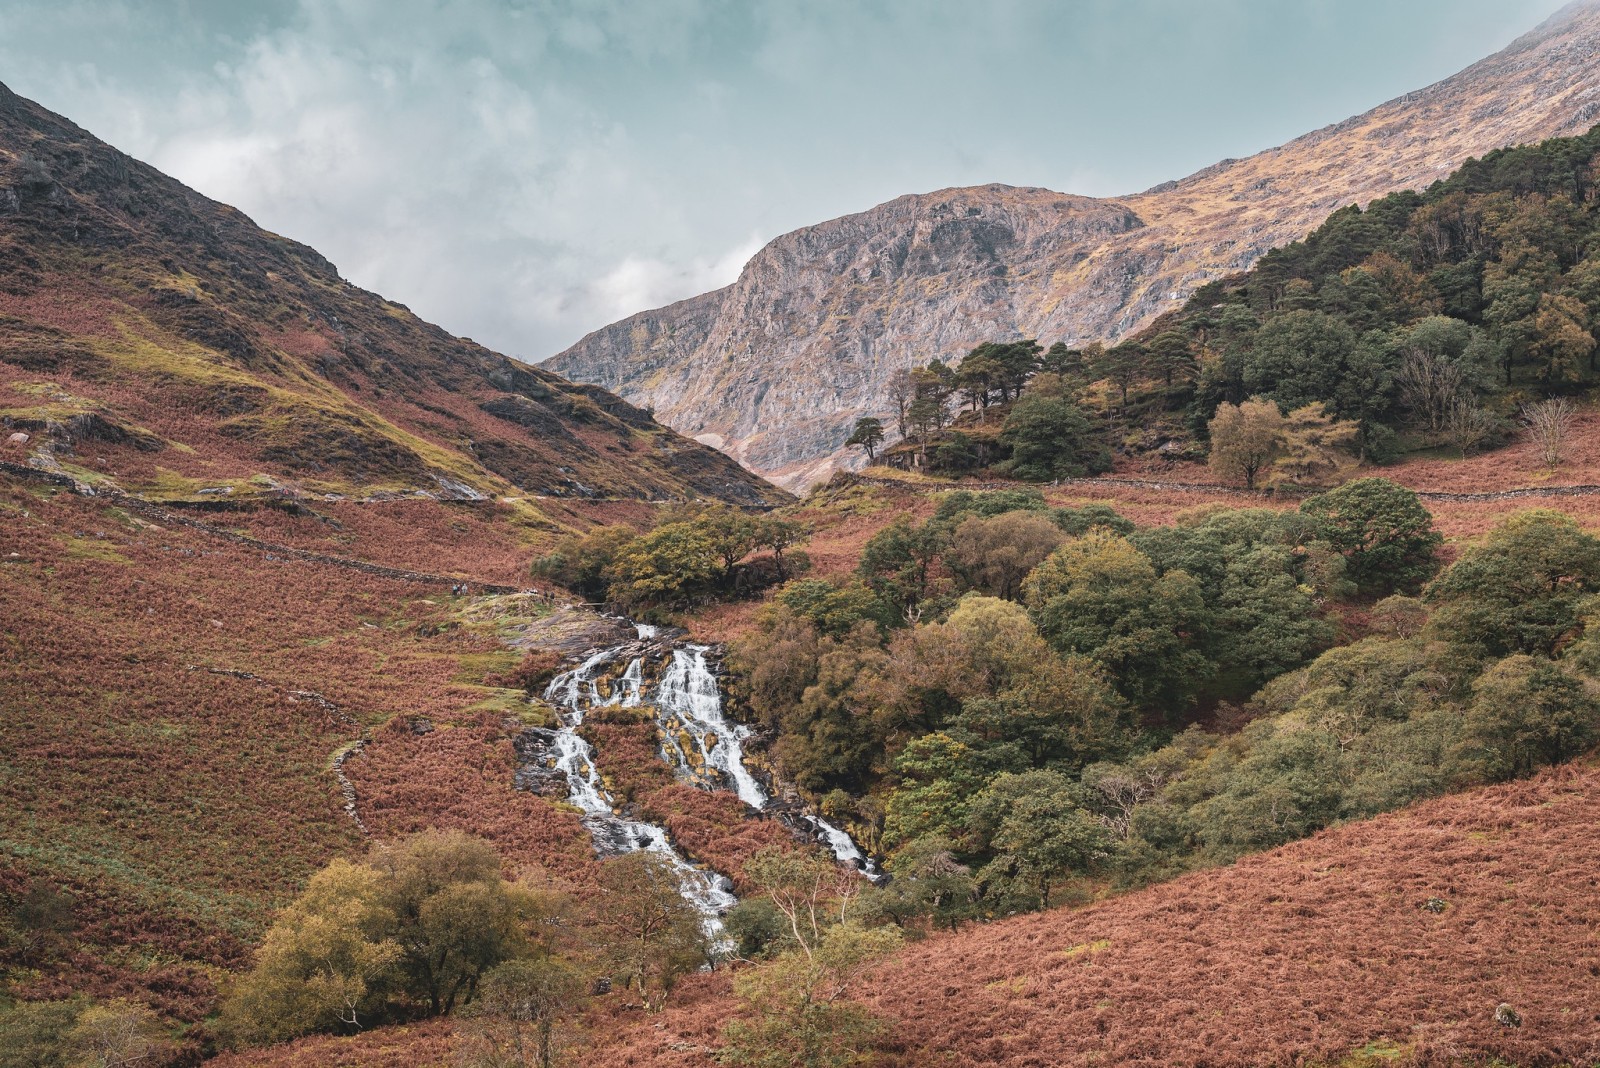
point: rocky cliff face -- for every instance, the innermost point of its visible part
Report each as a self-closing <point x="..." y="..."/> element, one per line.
<point x="776" y="367"/>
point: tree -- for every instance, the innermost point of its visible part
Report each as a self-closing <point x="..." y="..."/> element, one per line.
<point x="928" y="882"/>
<point x="902" y="391"/>
<point x="1384" y="532"/>
<point x="1521" y="589"/>
<point x="1122" y="366"/>
<point x="1245" y="440"/>
<point x="1050" y="438"/>
<point x="809" y="890"/>
<point x="117" y="1034"/>
<point x="649" y="934"/>
<point x="1525" y="713"/>
<point x="1560" y="342"/>
<point x="1172" y="358"/>
<point x="580" y="563"/>
<point x="1312" y="445"/>
<point x="977" y="375"/>
<point x="1298" y="357"/>
<point x="1063" y="712"/>
<point x="1469" y="426"/>
<point x="780" y="535"/>
<point x="455" y="917"/>
<point x="1437" y="368"/>
<point x="868" y="434"/>
<point x="1038" y="830"/>
<point x="798" y="1008"/>
<point x="515" y="1021"/>
<point x="898" y="564"/>
<point x="1063" y="362"/>
<point x="1549" y="426"/>
<point x="731" y="532"/>
<point x="416" y="927"/>
<point x="993" y="556"/>
<point x="326" y="963"/>
<point x="667" y="565"/>
<point x="1100" y="597"/>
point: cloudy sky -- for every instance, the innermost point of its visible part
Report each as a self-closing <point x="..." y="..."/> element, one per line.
<point x="524" y="171"/>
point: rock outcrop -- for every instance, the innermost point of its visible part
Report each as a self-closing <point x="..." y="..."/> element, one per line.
<point x="776" y="368"/>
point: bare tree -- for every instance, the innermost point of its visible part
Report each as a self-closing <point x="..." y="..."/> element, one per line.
<point x="1468" y="424"/>
<point x="902" y="391"/>
<point x="1549" y="424"/>
<point x="1430" y="383"/>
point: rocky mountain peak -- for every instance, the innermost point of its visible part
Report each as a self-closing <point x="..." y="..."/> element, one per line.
<point x="776" y="367"/>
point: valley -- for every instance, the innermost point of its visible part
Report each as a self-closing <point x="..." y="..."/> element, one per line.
<point x="1185" y="651"/>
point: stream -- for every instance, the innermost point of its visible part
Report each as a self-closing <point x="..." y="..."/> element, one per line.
<point x="700" y="743"/>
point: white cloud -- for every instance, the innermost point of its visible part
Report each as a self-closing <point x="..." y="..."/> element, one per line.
<point x="638" y="282"/>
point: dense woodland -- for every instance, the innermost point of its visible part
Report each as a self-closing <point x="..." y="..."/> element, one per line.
<point x="1426" y="320"/>
<point x="1040" y="698"/>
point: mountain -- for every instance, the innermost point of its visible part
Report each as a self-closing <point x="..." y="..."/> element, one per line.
<point x="776" y="367"/>
<point x="197" y="352"/>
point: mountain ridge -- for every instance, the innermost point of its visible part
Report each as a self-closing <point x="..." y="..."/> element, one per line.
<point x="775" y="367"/>
<point x="207" y="354"/>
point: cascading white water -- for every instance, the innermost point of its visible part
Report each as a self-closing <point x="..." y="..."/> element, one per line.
<point x="689" y="709"/>
<point x="574" y="693"/>
<point x="689" y="703"/>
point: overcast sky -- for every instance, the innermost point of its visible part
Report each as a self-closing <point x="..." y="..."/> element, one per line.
<point x="524" y="171"/>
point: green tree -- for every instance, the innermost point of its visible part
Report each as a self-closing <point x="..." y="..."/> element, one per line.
<point x="1525" y="713"/>
<point x="939" y="776"/>
<point x="929" y="882"/>
<point x="1520" y="590"/>
<point x="731" y="532"/>
<point x="648" y="933"/>
<point x="1049" y="438"/>
<point x="1384" y="532"/>
<point x="868" y="435"/>
<point x="668" y="565"/>
<point x="1038" y="830"/>
<point x="580" y="563"/>
<point x="1100" y="597"/>
<point x="1062" y="712"/>
<point x="1298" y="357"/>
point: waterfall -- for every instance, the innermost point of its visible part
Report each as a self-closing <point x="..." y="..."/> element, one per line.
<point x="689" y="708"/>
<point x="574" y="693"/>
<point x="698" y="740"/>
<point x="689" y="702"/>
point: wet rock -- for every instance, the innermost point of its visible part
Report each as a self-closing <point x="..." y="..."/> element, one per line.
<point x="536" y="771"/>
<point x="574" y="632"/>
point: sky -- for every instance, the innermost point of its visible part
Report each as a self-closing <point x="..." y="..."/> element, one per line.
<point x="524" y="171"/>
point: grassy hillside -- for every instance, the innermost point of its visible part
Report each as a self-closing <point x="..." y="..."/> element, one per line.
<point x="161" y="340"/>
<point x="1318" y="953"/>
<point x="171" y="707"/>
